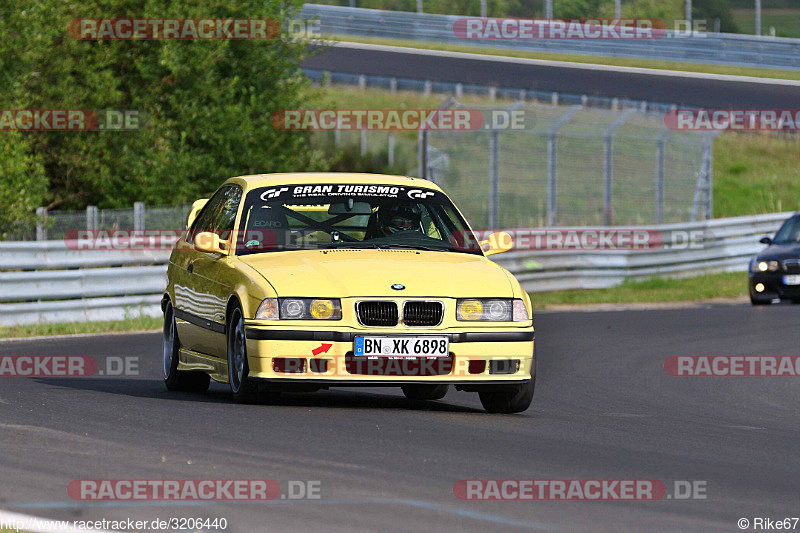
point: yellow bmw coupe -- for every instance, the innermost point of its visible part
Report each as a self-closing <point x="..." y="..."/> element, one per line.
<point x="296" y="282"/>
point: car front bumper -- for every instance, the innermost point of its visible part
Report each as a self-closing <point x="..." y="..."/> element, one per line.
<point x="774" y="287"/>
<point x="325" y="357"/>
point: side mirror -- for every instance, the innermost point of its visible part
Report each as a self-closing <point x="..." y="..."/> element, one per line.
<point x="497" y="243"/>
<point x="206" y="241"/>
<point x="765" y="240"/>
<point x="196" y="207"/>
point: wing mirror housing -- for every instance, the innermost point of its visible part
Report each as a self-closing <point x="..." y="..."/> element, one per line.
<point x="196" y="207"/>
<point x="765" y="240"/>
<point x="206" y="241"/>
<point x="497" y="243"/>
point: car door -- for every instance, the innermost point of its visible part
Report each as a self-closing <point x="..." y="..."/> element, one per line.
<point x="202" y="298"/>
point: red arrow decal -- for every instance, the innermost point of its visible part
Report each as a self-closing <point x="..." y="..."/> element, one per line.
<point x="321" y="349"/>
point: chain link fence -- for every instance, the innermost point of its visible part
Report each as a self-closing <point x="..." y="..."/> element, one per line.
<point x="57" y="225"/>
<point x="573" y="166"/>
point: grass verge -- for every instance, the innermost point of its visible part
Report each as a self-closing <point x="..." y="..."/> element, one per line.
<point x="659" y="64"/>
<point x="76" y="328"/>
<point x="653" y="290"/>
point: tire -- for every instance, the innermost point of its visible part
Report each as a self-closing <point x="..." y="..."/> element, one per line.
<point x="425" y="392"/>
<point x="756" y="301"/>
<point x="510" y="398"/>
<point x="174" y="379"/>
<point x="243" y="388"/>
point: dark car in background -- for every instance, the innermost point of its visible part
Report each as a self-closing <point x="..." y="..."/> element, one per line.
<point x="775" y="271"/>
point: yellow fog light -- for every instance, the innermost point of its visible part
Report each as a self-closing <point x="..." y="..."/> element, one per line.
<point x="470" y="310"/>
<point x="759" y="287"/>
<point x="322" y="309"/>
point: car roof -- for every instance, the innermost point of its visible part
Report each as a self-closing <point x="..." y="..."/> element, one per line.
<point x="256" y="181"/>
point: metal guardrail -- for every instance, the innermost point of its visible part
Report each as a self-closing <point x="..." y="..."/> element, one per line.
<point x="129" y="283"/>
<point x="714" y="48"/>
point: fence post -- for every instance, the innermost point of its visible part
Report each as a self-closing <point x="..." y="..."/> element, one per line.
<point x="41" y="223"/>
<point x="91" y="217"/>
<point x="660" y="146"/>
<point x="494" y="179"/>
<point x="138" y="216"/>
<point x="552" y="162"/>
<point x="608" y="166"/>
<point x="422" y="154"/>
<point x="363" y="142"/>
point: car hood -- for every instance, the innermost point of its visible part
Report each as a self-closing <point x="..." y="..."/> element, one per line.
<point x="779" y="252"/>
<point x="354" y="272"/>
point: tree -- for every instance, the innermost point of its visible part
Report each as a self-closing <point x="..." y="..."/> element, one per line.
<point x="208" y="103"/>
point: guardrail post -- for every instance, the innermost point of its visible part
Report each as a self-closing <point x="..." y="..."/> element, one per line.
<point x="459" y="90"/>
<point x="91" y="217"/>
<point x="393" y="85"/>
<point x="492" y="93"/>
<point x="552" y="163"/>
<point x="362" y="82"/>
<point x="659" y="201"/>
<point x="41" y="223"/>
<point x="138" y="216"/>
<point x="494" y="180"/>
<point x="426" y="88"/>
<point x="554" y="99"/>
<point x="390" y="156"/>
<point x="608" y="166"/>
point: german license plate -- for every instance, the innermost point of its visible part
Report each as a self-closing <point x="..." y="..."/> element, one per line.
<point x="405" y="346"/>
<point x="791" y="280"/>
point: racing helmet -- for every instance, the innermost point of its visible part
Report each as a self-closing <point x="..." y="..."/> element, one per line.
<point x="399" y="217"/>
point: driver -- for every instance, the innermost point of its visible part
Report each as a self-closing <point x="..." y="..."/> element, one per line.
<point x="394" y="218"/>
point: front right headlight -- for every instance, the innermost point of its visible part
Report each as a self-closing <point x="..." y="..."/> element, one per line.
<point x="765" y="266"/>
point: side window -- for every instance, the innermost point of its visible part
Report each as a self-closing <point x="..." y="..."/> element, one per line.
<point x="205" y="219"/>
<point x="226" y="218"/>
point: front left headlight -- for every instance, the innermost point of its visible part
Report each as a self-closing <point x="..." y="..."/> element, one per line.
<point x="310" y="309"/>
<point x="491" y="310"/>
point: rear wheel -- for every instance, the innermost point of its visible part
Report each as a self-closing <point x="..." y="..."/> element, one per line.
<point x="174" y="379"/>
<point x="425" y="392"/>
<point x="244" y="388"/>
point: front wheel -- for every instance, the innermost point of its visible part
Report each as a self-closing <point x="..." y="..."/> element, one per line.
<point x="244" y="388"/>
<point x="509" y="399"/>
<point x="174" y="379"/>
<point x="425" y="392"/>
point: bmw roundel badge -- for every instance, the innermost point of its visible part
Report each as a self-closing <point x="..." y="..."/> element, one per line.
<point x="398" y="287"/>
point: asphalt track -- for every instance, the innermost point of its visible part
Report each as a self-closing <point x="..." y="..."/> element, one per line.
<point x="604" y="409"/>
<point x="708" y="91"/>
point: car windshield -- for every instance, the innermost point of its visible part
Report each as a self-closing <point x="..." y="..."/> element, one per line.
<point x="789" y="232"/>
<point x="327" y="216"/>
